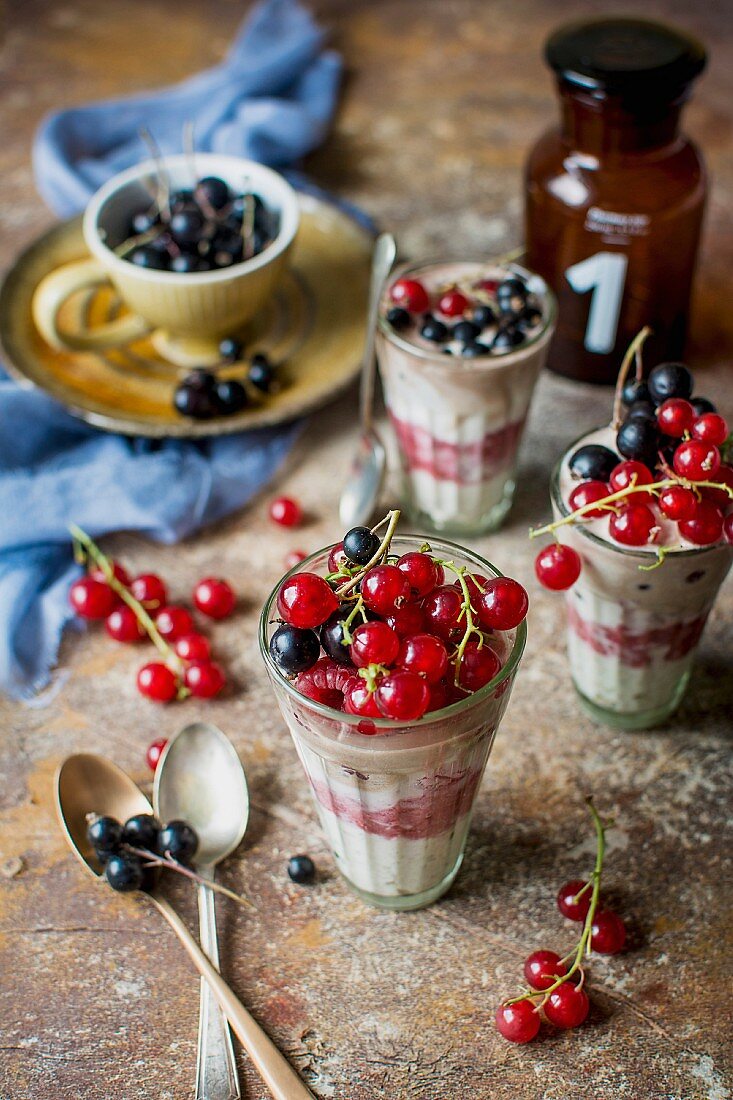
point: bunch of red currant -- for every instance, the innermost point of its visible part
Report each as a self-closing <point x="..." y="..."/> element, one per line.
<point x="669" y="467"/>
<point x="555" y="983"/>
<point x="138" y="608"/>
<point x="397" y="640"/>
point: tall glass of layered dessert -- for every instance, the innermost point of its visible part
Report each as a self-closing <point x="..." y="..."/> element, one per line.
<point x="643" y="517"/>
<point x="394" y="728"/>
<point x="460" y="347"/>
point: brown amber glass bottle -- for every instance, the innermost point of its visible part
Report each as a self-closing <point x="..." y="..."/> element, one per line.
<point x="615" y="194"/>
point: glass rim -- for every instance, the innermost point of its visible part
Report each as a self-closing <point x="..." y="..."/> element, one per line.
<point x="388" y="724"/>
<point x="483" y="362"/>
<point x="629" y="552"/>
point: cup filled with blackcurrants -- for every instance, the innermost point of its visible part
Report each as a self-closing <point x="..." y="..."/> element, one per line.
<point x="194" y="247"/>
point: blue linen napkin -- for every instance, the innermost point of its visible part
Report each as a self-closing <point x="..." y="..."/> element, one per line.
<point x="271" y="99"/>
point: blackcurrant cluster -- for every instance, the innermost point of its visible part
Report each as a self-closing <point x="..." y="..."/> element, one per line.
<point x="203" y="229"/>
<point x="202" y="395"/>
<point x="132" y="853"/>
<point x="488" y="317"/>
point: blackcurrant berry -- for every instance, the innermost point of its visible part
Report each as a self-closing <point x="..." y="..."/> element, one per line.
<point x="635" y="389"/>
<point x="670" y="380"/>
<point x="360" y="545"/>
<point x="332" y="637"/>
<point x="124" y="872"/>
<point x="592" y="461"/>
<point x="641" y="410"/>
<point x="702" y="405"/>
<point x="506" y="339"/>
<point x="230" y="349"/>
<point x="105" y="836"/>
<point x="529" y="318"/>
<point x="301" y="869"/>
<point x="231" y="397"/>
<point x="475" y="350"/>
<point x="510" y="289"/>
<point x="186" y="226"/>
<point x="144" y="221"/>
<point x="141" y="831"/>
<point x="294" y="650"/>
<point x="197" y="402"/>
<point x="483" y="316"/>
<point x="186" y="263"/>
<point x="434" y="330"/>
<point x="398" y="318"/>
<point x="638" y="439"/>
<point x="213" y="191"/>
<point x="466" y="331"/>
<point x="181" y="199"/>
<point x="147" y="256"/>
<point x="178" y="839"/>
<point x="262" y="374"/>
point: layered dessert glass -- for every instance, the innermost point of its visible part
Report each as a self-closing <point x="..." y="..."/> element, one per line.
<point x="458" y="406"/>
<point x="634" y="621"/>
<point x="395" y="798"/>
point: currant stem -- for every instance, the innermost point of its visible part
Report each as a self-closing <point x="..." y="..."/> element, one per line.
<point x="81" y="538"/>
<point x="154" y="860"/>
<point x="393" y="518"/>
<point x="632" y="351"/>
<point x="583" y="945"/>
<point x="467" y="610"/>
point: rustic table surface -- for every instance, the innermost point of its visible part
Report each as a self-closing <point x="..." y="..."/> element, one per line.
<point x="97" y="1000"/>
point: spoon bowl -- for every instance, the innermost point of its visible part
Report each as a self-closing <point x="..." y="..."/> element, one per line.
<point x="199" y="779"/>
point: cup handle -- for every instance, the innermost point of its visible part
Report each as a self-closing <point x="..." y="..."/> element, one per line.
<point x="53" y="291"/>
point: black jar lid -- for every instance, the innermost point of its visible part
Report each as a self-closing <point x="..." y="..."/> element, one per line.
<point x="625" y="57"/>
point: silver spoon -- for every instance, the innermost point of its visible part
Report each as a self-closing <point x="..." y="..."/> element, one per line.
<point x="89" y="784"/>
<point x="359" y="495"/>
<point x="199" y="779"/>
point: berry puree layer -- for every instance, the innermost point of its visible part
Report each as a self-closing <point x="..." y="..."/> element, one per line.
<point x="395" y="721"/>
<point x="460" y="347"/>
<point x="650" y="560"/>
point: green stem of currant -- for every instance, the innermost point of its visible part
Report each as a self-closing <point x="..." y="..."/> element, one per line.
<point x="633" y="350"/>
<point x="466" y="609"/>
<point x="391" y="519"/>
<point x="583" y="946"/>
<point x="346" y="623"/>
<point x="89" y="549"/>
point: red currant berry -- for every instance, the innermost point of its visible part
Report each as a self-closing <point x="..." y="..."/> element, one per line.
<point x="440" y="696"/>
<point x="490" y="286"/>
<point x="519" y="1023"/>
<point x="286" y="512"/>
<point x="173" y="622"/>
<point x="571" y="903"/>
<point x="374" y="643"/>
<point x="631" y="473"/>
<point x="156" y="681"/>
<point x="123" y="625"/>
<point x="424" y="654"/>
<point x="476" y="585"/>
<point x="542" y="967"/>
<point x="149" y="590"/>
<point x="358" y="699"/>
<point x="443" y="611"/>
<point x="92" y="599"/>
<point x="403" y="696"/>
<point x="557" y="567"/>
<point x="193" y="647"/>
<point x="728" y="528"/>
<point x="478" y="665"/>
<point x="675" y="417"/>
<point x="705" y="527"/>
<point x="214" y="597"/>
<point x="632" y="524"/>
<point x="384" y="589"/>
<point x="587" y="493"/>
<point x="120" y="573"/>
<point x="677" y="503"/>
<point x="293" y="558"/>
<point x="567" y="1006"/>
<point x="337" y="558"/>
<point x="453" y="303"/>
<point x="723" y="476"/>
<point x="411" y="295"/>
<point x="154" y="752"/>
<point x="204" y="679"/>
<point x="608" y="933"/>
<point x="710" y="428"/>
<point x="306" y="600"/>
<point x="422" y="573"/>
<point x="407" y="620"/>
<point x="695" y="460"/>
<point x="503" y="605"/>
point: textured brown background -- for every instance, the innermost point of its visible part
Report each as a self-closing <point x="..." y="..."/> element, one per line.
<point x="97" y="1002"/>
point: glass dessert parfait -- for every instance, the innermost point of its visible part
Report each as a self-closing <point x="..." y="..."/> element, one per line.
<point x="460" y="347"/>
<point x="642" y="512"/>
<point x="395" y="720"/>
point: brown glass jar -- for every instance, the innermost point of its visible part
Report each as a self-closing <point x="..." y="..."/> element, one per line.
<point x="615" y="194"/>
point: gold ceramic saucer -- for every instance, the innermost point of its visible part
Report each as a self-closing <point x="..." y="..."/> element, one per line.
<point x="314" y="326"/>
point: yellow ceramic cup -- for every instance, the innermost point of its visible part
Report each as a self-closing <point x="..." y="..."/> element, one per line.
<point x="192" y="310"/>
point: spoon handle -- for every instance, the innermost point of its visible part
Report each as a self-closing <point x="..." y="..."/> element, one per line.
<point x="277" y="1073"/>
<point x="216" y="1069"/>
<point x="382" y="260"/>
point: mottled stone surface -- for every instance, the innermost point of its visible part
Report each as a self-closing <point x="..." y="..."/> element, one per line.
<point x="97" y="1000"/>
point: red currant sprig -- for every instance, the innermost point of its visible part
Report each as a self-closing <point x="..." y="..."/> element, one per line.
<point x="551" y="978"/>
